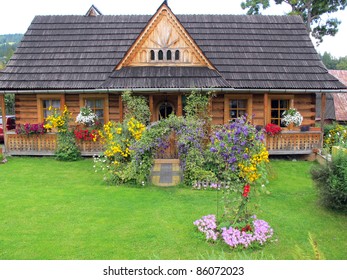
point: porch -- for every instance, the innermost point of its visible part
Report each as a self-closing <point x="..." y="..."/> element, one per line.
<point x="285" y="143"/>
<point x="44" y="145"/>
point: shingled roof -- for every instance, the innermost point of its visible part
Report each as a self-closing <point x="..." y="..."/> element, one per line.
<point x="248" y="52"/>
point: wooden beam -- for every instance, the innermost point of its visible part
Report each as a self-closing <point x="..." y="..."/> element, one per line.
<point x="120" y="101"/>
<point x="266" y="108"/>
<point x="322" y="116"/>
<point x="226" y="109"/>
<point x="151" y="108"/>
<point x="179" y="106"/>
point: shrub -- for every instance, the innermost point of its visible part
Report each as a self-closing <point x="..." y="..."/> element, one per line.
<point x="67" y="149"/>
<point x="331" y="182"/>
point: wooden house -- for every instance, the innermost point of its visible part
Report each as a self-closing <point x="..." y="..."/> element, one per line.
<point x="256" y="65"/>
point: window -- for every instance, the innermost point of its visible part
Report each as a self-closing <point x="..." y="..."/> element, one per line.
<point x="45" y="102"/>
<point x="160" y="55"/>
<point x="237" y="105"/>
<point x="152" y="55"/>
<point x="177" y="55"/>
<point x="98" y="103"/>
<point x="278" y="106"/>
<point x="168" y="55"/>
<point x="237" y="108"/>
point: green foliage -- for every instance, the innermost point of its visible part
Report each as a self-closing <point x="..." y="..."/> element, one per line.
<point x="331" y="182"/>
<point x="335" y="135"/>
<point x="8" y="44"/>
<point x="136" y="107"/>
<point x="313" y="13"/>
<point x="9" y="103"/>
<point x="332" y="62"/>
<point x="67" y="149"/>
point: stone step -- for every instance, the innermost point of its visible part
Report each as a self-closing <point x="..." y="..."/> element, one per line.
<point x="166" y="172"/>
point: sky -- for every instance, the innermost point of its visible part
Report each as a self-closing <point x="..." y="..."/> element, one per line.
<point x="16" y="15"/>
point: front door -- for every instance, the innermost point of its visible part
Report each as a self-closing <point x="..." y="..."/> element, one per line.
<point x="165" y="106"/>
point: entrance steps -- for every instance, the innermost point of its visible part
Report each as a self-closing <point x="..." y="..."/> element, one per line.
<point x="166" y="172"/>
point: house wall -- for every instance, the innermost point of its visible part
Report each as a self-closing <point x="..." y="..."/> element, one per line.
<point x="304" y="103"/>
<point x="27" y="107"/>
<point x="27" y="110"/>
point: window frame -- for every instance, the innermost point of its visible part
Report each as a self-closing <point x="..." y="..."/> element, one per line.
<point x="105" y="98"/>
<point x="42" y="97"/>
<point x="290" y="98"/>
<point x="229" y="97"/>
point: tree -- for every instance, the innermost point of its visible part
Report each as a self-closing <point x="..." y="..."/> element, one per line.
<point x="313" y="13"/>
<point x="342" y="64"/>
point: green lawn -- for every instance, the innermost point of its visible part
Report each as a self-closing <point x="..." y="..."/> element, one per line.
<point x="59" y="210"/>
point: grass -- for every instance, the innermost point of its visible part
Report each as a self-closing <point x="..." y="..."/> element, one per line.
<point x="59" y="210"/>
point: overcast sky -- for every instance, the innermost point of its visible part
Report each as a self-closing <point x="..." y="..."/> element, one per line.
<point x="16" y="15"/>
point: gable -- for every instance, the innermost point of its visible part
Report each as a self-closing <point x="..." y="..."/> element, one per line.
<point x="164" y="42"/>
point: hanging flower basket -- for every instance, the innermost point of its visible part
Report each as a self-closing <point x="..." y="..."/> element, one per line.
<point x="291" y="118"/>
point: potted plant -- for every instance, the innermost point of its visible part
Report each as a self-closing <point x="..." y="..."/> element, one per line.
<point x="86" y="117"/>
<point x="272" y="129"/>
<point x="291" y="117"/>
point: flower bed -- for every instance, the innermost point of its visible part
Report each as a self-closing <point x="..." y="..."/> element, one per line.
<point x="257" y="232"/>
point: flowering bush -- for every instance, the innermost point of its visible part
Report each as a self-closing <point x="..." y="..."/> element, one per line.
<point x="30" y="129"/>
<point x="258" y="232"/>
<point x="208" y="226"/>
<point x="335" y="136"/>
<point x="67" y="149"/>
<point x="239" y="158"/>
<point x="291" y="116"/>
<point x="272" y="129"/>
<point x="86" y="117"/>
<point x="57" y="119"/>
<point x="117" y="138"/>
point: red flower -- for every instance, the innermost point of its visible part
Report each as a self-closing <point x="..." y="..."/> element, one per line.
<point x="246" y="190"/>
<point x="272" y="129"/>
<point x="247" y="228"/>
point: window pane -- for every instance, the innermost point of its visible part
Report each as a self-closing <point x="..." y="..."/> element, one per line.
<point x="56" y="104"/>
<point x="233" y="104"/>
<point x="233" y="114"/>
<point x="99" y="103"/>
<point x="274" y="114"/>
<point x="168" y="55"/>
<point x="284" y="104"/>
<point x="274" y="103"/>
<point x="241" y="113"/>
<point x="242" y="103"/>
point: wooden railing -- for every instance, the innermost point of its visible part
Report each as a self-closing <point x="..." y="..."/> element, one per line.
<point x="293" y="142"/>
<point x="44" y="144"/>
<point x="285" y="143"/>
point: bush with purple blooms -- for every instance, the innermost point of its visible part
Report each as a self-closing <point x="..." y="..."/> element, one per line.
<point x="257" y="232"/>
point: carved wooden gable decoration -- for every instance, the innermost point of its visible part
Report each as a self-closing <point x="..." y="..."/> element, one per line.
<point x="164" y="42"/>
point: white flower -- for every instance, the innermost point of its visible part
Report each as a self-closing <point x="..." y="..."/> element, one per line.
<point x="86" y="116"/>
<point x="291" y="116"/>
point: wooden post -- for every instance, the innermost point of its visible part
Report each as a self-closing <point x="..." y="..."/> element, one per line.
<point x="151" y="108"/>
<point x="179" y="105"/>
<point x="120" y="101"/>
<point x="322" y="115"/>
<point x="322" y="112"/>
<point x="3" y="114"/>
<point x="226" y="117"/>
<point x="266" y="107"/>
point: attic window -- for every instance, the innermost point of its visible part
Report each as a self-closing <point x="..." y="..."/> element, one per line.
<point x="177" y="55"/>
<point x="168" y="55"/>
<point x="162" y="56"/>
